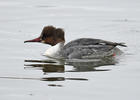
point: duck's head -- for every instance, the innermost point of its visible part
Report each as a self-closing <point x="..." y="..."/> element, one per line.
<point x="50" y="35"/>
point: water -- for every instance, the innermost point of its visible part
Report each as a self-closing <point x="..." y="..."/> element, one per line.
<point x="23" y="76"/>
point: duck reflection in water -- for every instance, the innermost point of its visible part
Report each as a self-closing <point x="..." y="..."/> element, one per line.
<point x="60" y="66"/>
<point x="78" y="65"/>
<point x="50" y="66"/>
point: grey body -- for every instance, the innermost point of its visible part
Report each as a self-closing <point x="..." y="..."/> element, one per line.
<point x="89" y="48"/>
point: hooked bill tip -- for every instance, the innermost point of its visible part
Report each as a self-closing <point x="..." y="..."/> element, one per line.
<point x="25" y="41"/>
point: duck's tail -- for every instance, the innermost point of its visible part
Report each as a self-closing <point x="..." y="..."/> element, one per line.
<point x="121" y="44"/>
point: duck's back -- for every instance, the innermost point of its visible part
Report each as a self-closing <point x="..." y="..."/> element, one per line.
<point x="88" y="48"/>
<point x="91" y="41"/>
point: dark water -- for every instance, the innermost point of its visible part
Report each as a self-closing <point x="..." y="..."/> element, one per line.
<point x="26" y="74"/>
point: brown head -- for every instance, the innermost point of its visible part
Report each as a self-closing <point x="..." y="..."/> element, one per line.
<point x="50" y="35"/>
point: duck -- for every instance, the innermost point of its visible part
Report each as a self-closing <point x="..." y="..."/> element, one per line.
<point x="82" y="48"/>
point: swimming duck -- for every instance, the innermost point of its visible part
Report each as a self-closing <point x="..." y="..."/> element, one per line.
<point x="82" y="48"/>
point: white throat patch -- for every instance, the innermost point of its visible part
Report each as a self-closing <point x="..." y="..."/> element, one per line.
<point x="54" y="51"/>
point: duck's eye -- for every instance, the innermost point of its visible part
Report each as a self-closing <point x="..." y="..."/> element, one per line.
<point x="44" y="36"/>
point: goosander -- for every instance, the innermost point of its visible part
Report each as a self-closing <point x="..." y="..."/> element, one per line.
<point x="76" y="49"/>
